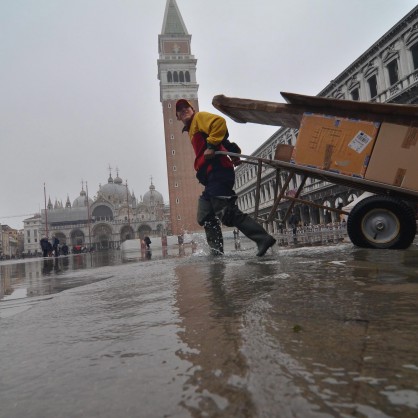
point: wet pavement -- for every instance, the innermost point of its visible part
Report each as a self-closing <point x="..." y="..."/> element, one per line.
<point x="329" y="331"/>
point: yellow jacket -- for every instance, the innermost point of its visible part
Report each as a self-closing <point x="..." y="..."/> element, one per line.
<point x="212" y="125"/>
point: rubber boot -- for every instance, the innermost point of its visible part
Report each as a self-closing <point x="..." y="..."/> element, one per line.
<point x="254" y="231"/>
<point x="214" y="236"/>
<point x="230" y="215"/>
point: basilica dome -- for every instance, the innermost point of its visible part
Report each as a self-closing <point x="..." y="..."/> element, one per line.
<point x="115" y="191"/>
<point x="81" y="201"/>
<point x="118" y="180"/>
<point x="152" y="197"/>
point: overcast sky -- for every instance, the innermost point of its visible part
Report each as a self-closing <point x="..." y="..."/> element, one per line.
<point x="79" y="87"/>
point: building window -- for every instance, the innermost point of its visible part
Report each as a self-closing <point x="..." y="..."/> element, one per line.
<point x="173" y="152"/>
<point x="178" y="217"/>
<point x="372" y="82"/>
<point x="176" y="184"/>
<point x="188" y="76"/>
<point x="393" y="72"/>
<point x="170" y="121"/>
<point x="414" y="52"/>
<point x="169" y="77"/>
<point x="174" y="168"/>
<point x="176" y="77"/>
<point x="181" y="77"/>
<point x="177" y="200"/>
<point x="171" y="136"/>
<point x="354" y="94"/>
<point x="28" y="232"/>
<point x="169" y="105"/>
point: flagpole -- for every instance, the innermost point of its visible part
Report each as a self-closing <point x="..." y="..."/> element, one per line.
<point x="127" y="202"/>
<point x="46" y="214"/>
<point x="88" y="214"/>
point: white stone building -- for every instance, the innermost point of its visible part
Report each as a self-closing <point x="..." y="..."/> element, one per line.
<point x="386" y="72"/>
<point x="32" y="228"/>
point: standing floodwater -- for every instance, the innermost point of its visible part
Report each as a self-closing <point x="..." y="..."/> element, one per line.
<point x="305" y="332"/>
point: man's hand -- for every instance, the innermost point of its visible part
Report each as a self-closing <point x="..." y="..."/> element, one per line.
<point x="236" y="161"/>
<point x="209" y="154"/>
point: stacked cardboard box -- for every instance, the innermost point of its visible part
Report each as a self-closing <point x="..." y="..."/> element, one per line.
<point x="336" y="144"/>
<point x="394" y="159"/>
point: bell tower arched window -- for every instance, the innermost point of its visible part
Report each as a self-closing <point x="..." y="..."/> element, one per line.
<point x="176" y="77"/>
<point x="187" y="77"/>
<point x="169" y="77"/>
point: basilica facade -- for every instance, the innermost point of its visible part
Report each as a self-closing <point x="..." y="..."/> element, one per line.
<point x="113" y="216"/>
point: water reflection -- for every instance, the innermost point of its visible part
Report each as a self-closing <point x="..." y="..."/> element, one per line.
<point x="306" y="332"/>
<point x="45" y="276"/>
<point x="345" y="322"/>
<point x="37" y="274"/>
<point x="210" y="330"/>
<point x="385" y="265"/>
<point x="134" y="253"/>
<point x="324" y="332"/>
<point x="211" y="300"/>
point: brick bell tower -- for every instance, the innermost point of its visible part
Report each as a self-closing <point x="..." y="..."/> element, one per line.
<point x="177" y="75"/>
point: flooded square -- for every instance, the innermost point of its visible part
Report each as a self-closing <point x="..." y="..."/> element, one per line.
<point x="302" y="332"/>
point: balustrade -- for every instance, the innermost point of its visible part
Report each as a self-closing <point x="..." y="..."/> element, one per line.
<point x="313" y="235"/>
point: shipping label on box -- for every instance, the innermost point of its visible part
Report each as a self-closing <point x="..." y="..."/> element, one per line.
<point x="337" y="144"/>
<point x="360" y="142"/>
<point x="395" y="156"/>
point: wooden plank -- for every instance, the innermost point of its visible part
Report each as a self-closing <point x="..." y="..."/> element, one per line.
<point x="383" y="109"/>
<point x="368" y="111"/>
<point x="290" y="115"/>
<point x="261" y="112"/>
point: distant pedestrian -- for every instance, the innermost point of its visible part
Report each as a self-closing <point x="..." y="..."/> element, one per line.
<point x="294" y="222"/>
<point x="65" y="249"/>
<point x="55" y="246"/>
<point x="50" y="249"/>
<point x="44" y="246"/>
<point x="147" y="241"/>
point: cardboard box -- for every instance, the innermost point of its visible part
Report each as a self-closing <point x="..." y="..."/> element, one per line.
<point x="394" y="159"/>
<point x="336" y="144"/>
<point x="283" y="152"/>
